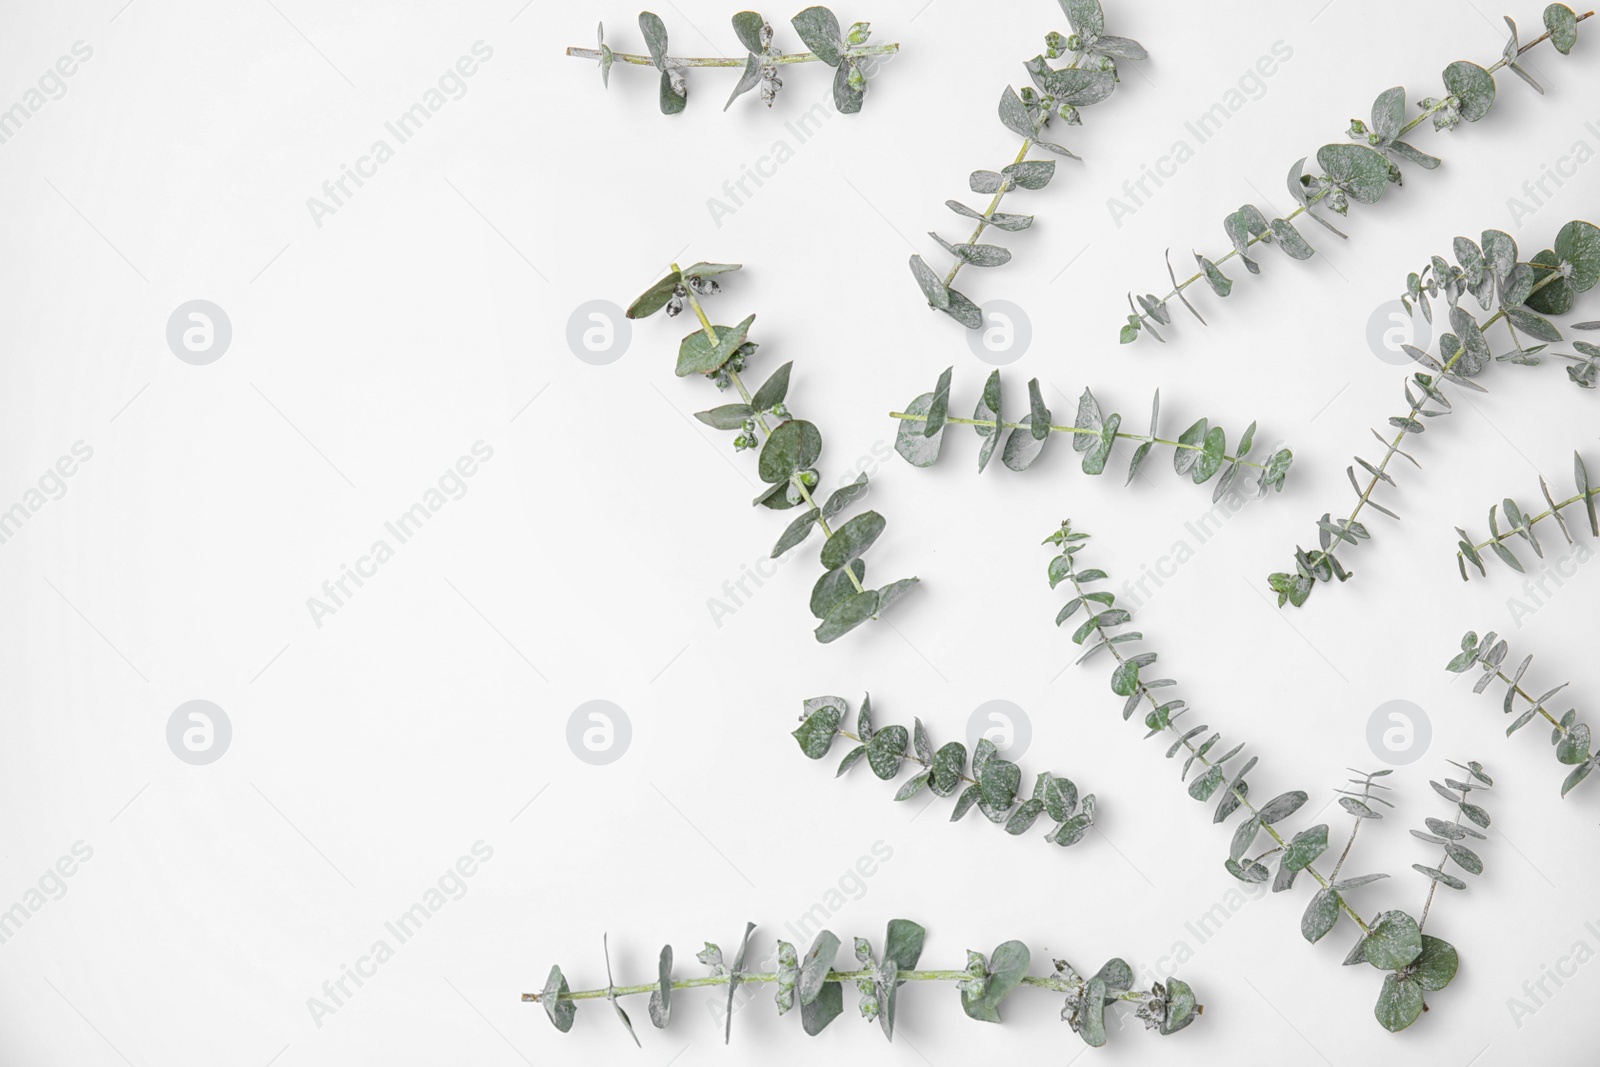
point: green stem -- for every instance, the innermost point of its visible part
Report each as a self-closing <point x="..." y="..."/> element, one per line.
<point x="999" y="425"/>
<point x="722" y="61"/>
<point x="1244" y="800"/>
<point x="761" y="424"/>
<point x="1433" y="885"/>
<point x="1551" y="719"/>
<point x="1005" y="186"/>
<point x="1407" y="128"/>
<point x="1055" y="984"/>
<point x="1530" y="520"/>
<point x="1326" y="554"/>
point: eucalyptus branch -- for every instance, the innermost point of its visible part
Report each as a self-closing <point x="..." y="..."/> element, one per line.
<point x="1392" y="941"/>
<point x="846" y="51"/>
<point x="1360" y="172"/>
<point x="1525" y="292"/>
<point x="1569" y="736"/>
<point x="1200" y="451"/>
<point x="1451" y="834"/>
<point x="994" y="786"/>
<point x="818" y="987"/>
<point x="1521" y="523"/>
<point x="789" y="448"/>
<point x="1089" y="78"/>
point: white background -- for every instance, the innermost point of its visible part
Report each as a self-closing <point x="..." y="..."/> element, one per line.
<point x="430" y="312"/>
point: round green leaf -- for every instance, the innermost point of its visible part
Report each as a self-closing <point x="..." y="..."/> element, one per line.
<point x="1578" y="244"/>
<point x="1436" y="967"/>
<point x="793" y="446"/>
<point x="886" y="749"/>
<point x="1358" y="170"/>
<point x="1394" y="941"/>
<point x="1321" y="915"/>
<point x="1399" y="1003"/>
<point x="817" y="732"/>
<point x="1473" y="86"/>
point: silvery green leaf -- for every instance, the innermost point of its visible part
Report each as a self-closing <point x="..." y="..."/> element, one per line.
<point x="1521" y="72"/>
<point x="748" y="26"/>
<point x="1322" y="914"/>
<point x="939" y="407"/>
<point x="985" y="181"/>
<point x="915" y="446"/>
<point x="655" y="37"/>
<point x="1024" y="816"/>
<point x="912" y="786"/>
<point x="932" y="287"/>
<point x="816" y="734"/>
<point x="1022" y="447"/>
<point x="1563" y="26"/>
<point x="1305" y="847"/>
<point x="726" y="416"/>
<point x="1005" y="969"/>
<point x="1399" y="1004"/>
<point x="661" y="995"/>
<point x="1394" y="941"/>
<point x="1358" y="881"/>
<point x="1183" y="458"/>
<point x="1473" y="86"/>
<point x="1120" y="47"/>
<point x="1060" y="150"/>
<point x="1465" y="858"/>
<point x="793" y="446"/>
<point x="1581" y="474"/>
<point x="560" y="1011"/>
<point x="1357" y="170"/>
<point x="748" y="79"/>
<point x="1204" y="786"/>
<point x="975" y="254"/>
<point x="852" y="539"/>
<point x="1085" y="16"/>
<point x="1281" y="807"/>
<point x="841" y="497"/>
<point x="674" y="92"/>
<point x="654" y="298"/>
<point x="847" y="98"/>
<point x="773" y="390"/>
<point x="697" y="355"/>
<point x="1014" y="116"/>
<point x="797" y="532"/>
<point x="1089" y="418"/>
<point x="1243" y="837"/>
<point x="1077" y="86"/>
<point x="1578" y="248"/>
<point x="1389" y="113"/>
<point x="988" y="409"/>
<point x="1219" y="282"/>
<point x="622" y="1016"/>
<point x="851" y="758"/>
<point x="948" y="764"/>
<point x="847" y="615"/>
<point x="999" y="781"/>
<point x="887" y="595"/>
<point x="1578" y="774"/>
<point x="1031" y="174"/>
<point x="964" y="802"/>
<point x="1209" y="459"/>
<point x="964" y="311"/>
<point x="999" y="220"/>
<point x="819" y="29"/>
<point x="1290" y="240"/>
